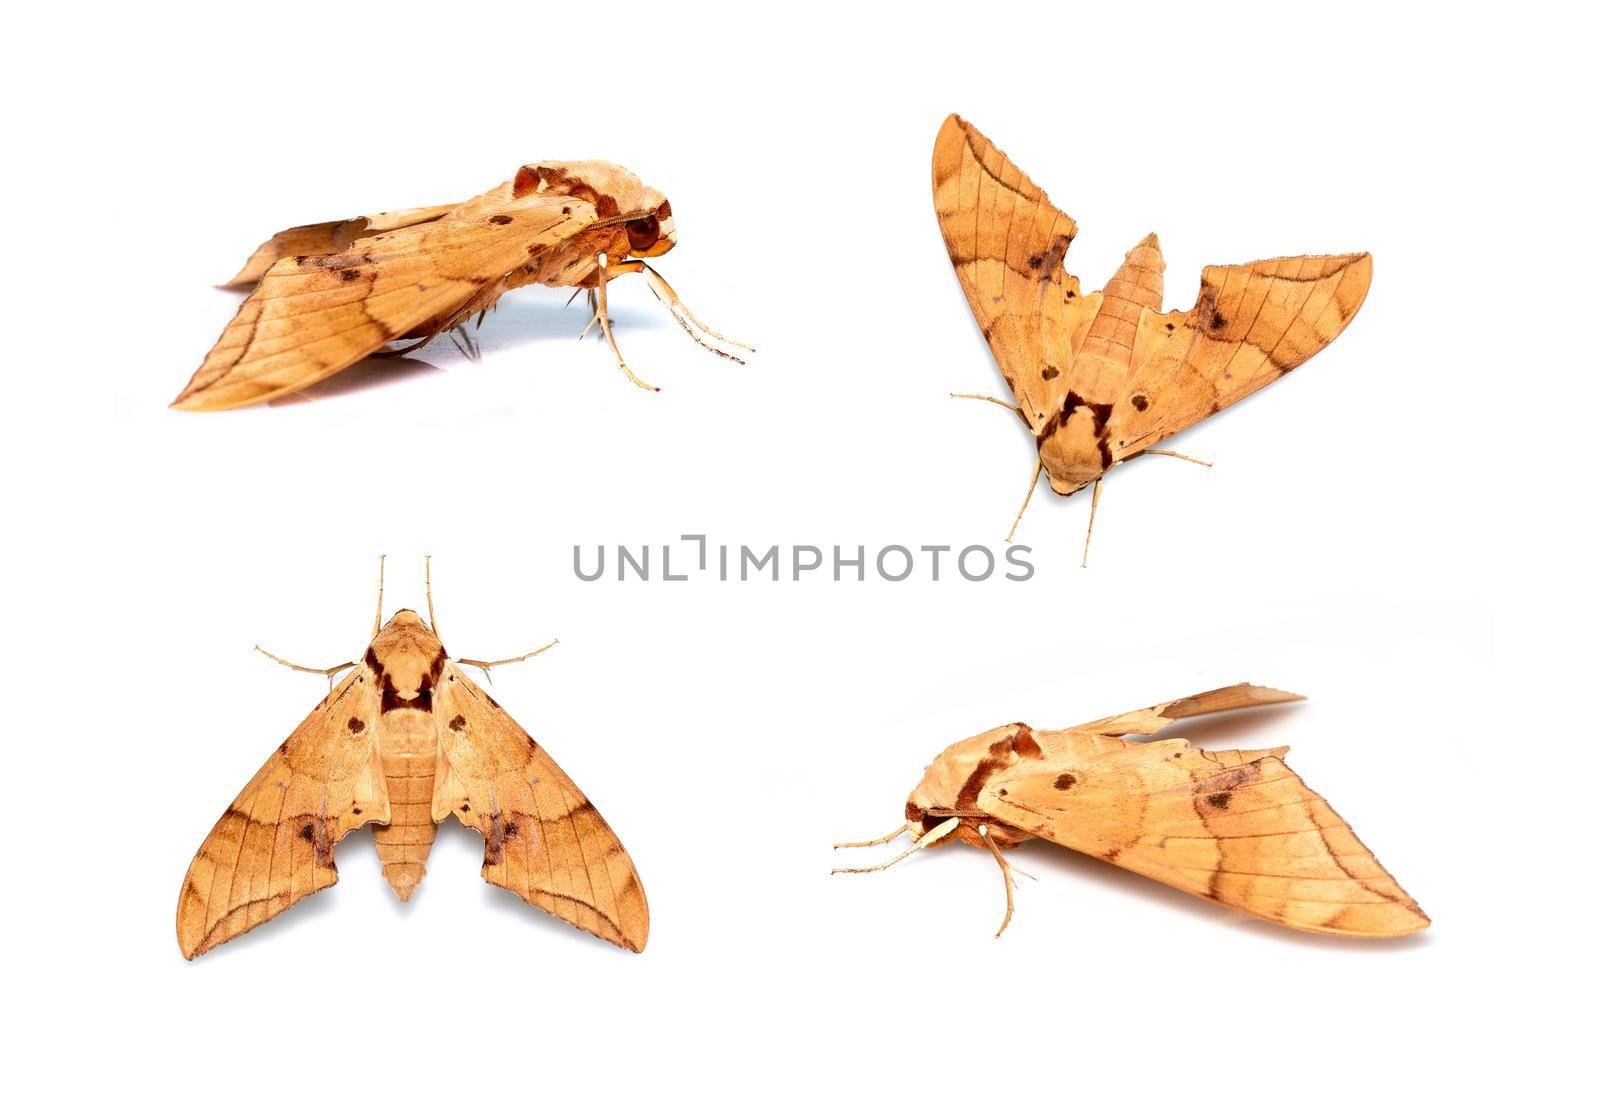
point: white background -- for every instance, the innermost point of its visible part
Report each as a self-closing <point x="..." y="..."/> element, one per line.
<point x="1398" y="531"/>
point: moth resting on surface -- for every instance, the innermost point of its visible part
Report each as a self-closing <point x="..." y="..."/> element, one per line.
<point x="1235" y="827"/>
<point x="401" y="742"/>
<point x="1104" y="377"/>
<point x="328" y="295"/>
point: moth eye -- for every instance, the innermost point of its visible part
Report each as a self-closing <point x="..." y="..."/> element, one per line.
<point x="644" y="232"/>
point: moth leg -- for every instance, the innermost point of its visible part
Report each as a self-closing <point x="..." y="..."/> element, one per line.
<point x="603" y="316"/>
<point x="1033" y="483"/>
<point x="1175" y="454"/>
<point x="330" y="672"/>
<point x="1005" y="871"/>
<point x="923" y="842"/>
<point x="1094" y="502"/>
<point x="513" y="659"/>
<point x="465" y="343"/>
<point x="684" y="316"/>
<point x="1011" y="407"/>
<point x="904" y="826"/>
<point x="594" y="312"/>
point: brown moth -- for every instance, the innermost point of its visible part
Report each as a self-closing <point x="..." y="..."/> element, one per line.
<point x="328" y="295"/>
<point x="1103" y="377"/>
<point x="401" y="742"/>
<point x="1236" y="827"/>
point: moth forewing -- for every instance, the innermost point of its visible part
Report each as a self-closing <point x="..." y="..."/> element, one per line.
<point x="1233" y="826"/>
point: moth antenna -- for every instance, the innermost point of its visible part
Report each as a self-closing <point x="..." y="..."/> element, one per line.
<point x="923" y="842"/>
<point x="377" y="621"/>
<point x="427" y="585"/>
<point x="603" y="316"/>
<point x="1094" y="502"/>
<point x="1175" y="454"/>
<point x="484" y="665"/>
<point x="1033" y="483"/>
<point x="330" y="672"/>
<point x="1011" y="407"/>
<point x="904" y="826"/>
<point x="1005" y="871"/>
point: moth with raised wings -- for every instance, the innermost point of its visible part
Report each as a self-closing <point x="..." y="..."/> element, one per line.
<point x="1104" y="377"/>
<point x="401" y="742"/>
<point x="327" y="295"/>
<point x="1235" y="827"/>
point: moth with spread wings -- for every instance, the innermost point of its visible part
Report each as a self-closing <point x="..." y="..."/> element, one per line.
<point x="1104" y="377"/>
<point x="327" y="295"/>
<point x="404" y="740"/>
<point x="1235" y="827"/>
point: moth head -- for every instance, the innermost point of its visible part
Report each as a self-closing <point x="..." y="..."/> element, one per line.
<point x="618" y="197"/>
<point x="922" y="819"/>
<point x="1072" y="445"/>
<point x="653" y="233"/>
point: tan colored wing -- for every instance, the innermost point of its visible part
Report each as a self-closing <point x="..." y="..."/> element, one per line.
<point x="1007" y="243"/>
<point x="312" y="316"/>
<point x="1251" y="324"/>
<point x="274" y="845"/>
<point x="1238" y="828"/>
<point x="1154" y="719"/>
<point x="328" y="236"/>
<point x="543" y="839"/>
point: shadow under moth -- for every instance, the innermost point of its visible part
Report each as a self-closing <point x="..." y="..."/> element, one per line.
<point x="327" y="295"/>
<point x="404" y="740"/>
<point x="1104" y="377"/>
<point x="1235" y="827"/>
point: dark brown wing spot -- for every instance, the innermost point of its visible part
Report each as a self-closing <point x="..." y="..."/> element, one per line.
<point x="1065" y="781"/>
<point x="1049" y="372"/>
<point x="1220" y="800"/>
<point x="458" y="723"/>
<point x="1140" y="402"/>
<point x="355" y="725"/>
<point x="500" y="219"/>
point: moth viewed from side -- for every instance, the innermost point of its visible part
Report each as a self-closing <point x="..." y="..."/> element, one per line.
<point x="1103" y="377"/>
<point x="327" y="295"/>
<point x="402" y="741"/>
<point x="1235" y="827"/>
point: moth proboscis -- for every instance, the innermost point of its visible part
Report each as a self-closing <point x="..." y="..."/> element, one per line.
<point x="1101" y="378"/>
<point x="403" y="741"/>
<point x="329" y="294"/>
<point x="1236" y="827"/>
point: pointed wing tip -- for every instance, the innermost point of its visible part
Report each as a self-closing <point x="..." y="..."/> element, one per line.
<point x="1271" y="694"/>
<point x="948" y="144"/>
